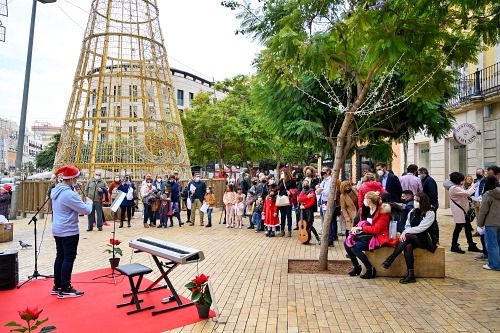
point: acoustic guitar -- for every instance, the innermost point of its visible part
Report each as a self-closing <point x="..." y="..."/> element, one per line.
<point x="302" y="233"/>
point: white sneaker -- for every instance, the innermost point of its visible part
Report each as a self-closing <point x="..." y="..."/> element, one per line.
<point x="487" y="267"/>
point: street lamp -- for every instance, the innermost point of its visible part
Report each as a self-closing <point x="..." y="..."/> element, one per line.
<point x="24" y="107"/>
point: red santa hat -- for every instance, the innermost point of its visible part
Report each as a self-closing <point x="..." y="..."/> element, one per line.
<point x="67" y="172"/>
<point x="7" y="188"/>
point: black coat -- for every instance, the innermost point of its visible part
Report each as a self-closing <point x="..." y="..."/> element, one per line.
<point x="430" y="188"/>
<point x="393" y="187"/>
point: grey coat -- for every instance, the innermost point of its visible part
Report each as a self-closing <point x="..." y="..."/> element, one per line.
<point x="489" y="212"/>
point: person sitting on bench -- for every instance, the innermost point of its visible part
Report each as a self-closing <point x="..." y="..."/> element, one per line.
<point x="417" y="234"/>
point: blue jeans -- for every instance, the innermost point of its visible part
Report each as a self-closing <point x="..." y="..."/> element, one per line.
<point x="209" y="215"/>
<point x="286" y="214"/>
<point x="65" y="257"/>
<point x="333" y="226"/>
<point x="356" y="252"/>
<point x="492" y="238"/>
<point x="149" y="215"/>
<point x="257" y="221"/>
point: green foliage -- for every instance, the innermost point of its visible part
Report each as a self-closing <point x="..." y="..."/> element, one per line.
<point x="234" y="129"/>
<point x="387" y="66"/>
<point x="45" y="158"/>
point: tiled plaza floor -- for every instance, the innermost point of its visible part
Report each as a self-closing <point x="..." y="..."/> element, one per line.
<point x="255" y="293"/>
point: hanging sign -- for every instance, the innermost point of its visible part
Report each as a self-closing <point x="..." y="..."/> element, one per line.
<point x="465" y="133"/>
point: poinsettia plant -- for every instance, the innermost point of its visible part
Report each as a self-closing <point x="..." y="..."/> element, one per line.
<point x="32" y="322"/>
<point x="113" y="246"/>
<point x="200" y="293"/>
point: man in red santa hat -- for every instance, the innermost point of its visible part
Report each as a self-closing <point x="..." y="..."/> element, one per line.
<point x="66" y="205"/>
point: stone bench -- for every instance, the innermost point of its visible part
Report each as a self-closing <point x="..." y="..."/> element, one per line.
<point x="427" y="264"/>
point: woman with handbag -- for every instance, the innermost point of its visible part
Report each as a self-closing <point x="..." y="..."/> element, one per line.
<point x="461" y="211"/>
<point x="417" y="234"/>
<point x="283" y="202"/>
<point x="373" y="233"/>
<point x="126" y="206"/>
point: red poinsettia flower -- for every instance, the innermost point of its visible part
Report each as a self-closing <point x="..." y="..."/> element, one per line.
<point x="30" y="314"/>
<point x="200" y="279"/>
<point x="114" y="241"/>
<point x="195" y="289"/>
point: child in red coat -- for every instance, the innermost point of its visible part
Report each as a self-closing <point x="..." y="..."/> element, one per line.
<point x="270" y="215"/>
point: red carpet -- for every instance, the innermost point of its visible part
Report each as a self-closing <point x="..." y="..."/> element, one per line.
<point x="96" y="311"/>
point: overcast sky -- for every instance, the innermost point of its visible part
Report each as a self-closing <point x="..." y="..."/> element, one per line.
<point x="199" y="36"/>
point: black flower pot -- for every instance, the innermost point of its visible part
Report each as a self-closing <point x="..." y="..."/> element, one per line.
<point x="114" y="262"/>
<point x="203" y="310"/>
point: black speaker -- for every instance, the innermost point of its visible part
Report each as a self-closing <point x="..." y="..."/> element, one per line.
<point x="9" y="270"/>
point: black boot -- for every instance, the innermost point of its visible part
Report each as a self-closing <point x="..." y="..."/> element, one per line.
<point x="409" y="278"/>
<point x="388" y="262"/>
<point x="121" y="224"/>
<point x="473" y="248"/>
<point x="355" y="271"/>
<point x="128" y="224"/>
<point x="369" y="274"/>
<point x="456" y="248"/>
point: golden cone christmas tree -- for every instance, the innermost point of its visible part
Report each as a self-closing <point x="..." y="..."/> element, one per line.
<point x="122" y="117"/>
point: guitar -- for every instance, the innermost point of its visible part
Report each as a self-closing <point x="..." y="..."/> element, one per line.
<point x="302" y="233"/>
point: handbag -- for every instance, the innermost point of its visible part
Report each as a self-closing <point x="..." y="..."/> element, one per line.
<point x="282" y="200"/>
<point x="130" y="193"/>
<point x="470" y="215"/>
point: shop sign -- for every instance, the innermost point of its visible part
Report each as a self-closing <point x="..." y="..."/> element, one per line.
<point x="465" y="133"/>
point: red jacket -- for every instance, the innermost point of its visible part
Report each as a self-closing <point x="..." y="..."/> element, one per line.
<point x="368" y="186"/>
<point x="380" y="224"/>
<point x="306" y="201"/>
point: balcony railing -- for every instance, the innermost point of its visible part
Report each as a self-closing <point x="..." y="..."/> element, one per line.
<point x="477" y="86"/>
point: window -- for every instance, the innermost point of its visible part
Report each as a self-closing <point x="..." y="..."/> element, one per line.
<point x="180" y="97"/>
<point x="94" y="96"/>
<point x="105" y="95"/>
<point x="116" y="111"/>
<point x="132" y="111"/>
<point x="103" y="111"/>
<point x="134" y="93"/>
<point x="117" y="91"/>
<point x="191" y="97"/>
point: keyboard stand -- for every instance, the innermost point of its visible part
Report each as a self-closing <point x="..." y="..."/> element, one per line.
<point x="170" y="265"/>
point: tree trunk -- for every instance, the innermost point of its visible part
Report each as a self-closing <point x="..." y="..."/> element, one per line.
<point x="405" y="153"/>
<point x="337" y="165"/>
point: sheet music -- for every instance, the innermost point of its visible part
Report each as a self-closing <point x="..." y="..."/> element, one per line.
<point x="118" y="201"/>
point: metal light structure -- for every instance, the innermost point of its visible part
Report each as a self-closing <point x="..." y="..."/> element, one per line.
<point x="24" y="106"/>
<point x="122" y="117"/>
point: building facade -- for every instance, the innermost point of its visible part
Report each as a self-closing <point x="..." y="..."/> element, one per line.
<point x="474" y="141"/>
<point x="187" y="85"/>
<point x="44" y="132"/>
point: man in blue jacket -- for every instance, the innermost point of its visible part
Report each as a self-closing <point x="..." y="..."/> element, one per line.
<point x="66" y="205"/>
<point x="390" y="182"/>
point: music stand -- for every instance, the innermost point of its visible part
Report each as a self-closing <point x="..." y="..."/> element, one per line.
<point x="114" y="208"/>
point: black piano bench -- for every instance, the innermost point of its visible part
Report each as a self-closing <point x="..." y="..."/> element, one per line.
<point x="130" y="271"/>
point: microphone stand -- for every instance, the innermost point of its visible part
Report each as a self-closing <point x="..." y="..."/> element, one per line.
<point x="36" y="274"/>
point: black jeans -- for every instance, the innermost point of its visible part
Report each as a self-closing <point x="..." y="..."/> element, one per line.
<point x="356" y="252"/>
<point x="309" y="217"/>
<point x="286" y="214"/>
<point x="458" y="229"/>
<point x="65" y="257"/>
<point x="127" y="209"/>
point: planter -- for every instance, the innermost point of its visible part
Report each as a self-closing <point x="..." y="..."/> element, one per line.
<point x="114" y="262"/>
<point x="203" y="310"/>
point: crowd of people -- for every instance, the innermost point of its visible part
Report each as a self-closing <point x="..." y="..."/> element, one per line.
<point x="363" y="214"/>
